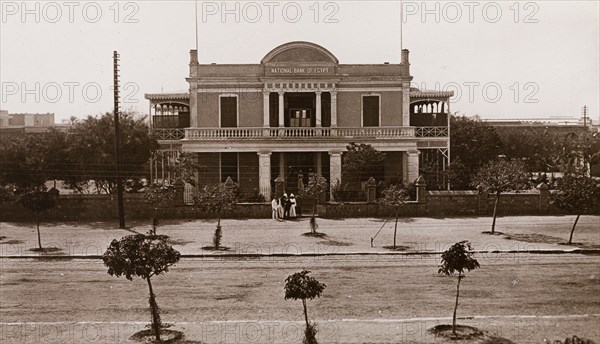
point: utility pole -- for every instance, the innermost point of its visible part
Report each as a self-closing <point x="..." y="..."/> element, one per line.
<point x="118" y="141"/>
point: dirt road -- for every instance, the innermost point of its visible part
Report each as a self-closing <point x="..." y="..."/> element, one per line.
<point x="367" y="299"/>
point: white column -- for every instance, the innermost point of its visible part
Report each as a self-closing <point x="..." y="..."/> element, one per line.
<point x="335" y="170"/>
<point x="405" y="104"/>
<point x="318" y="112"/>
<point x="281" y="109"/>
<point x="266" y="109"/>
<point x="334" y="109"/>
<point x="264" y="174"/>
<point x="412" y="166"/>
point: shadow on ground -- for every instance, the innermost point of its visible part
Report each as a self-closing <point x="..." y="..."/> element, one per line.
<point x="534" y="238"/>
<point x="467" y="334"/>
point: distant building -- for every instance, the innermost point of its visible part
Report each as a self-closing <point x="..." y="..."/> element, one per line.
<point x="3" y="118"/>
<point x="25" y="123"/>
<point x="26" y="119"/>
<point x="558" y="125"/>
<point x="554" y="123"/>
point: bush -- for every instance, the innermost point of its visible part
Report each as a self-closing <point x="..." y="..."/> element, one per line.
<point x="6" y="195"/>
<point x="571" y="340"/>
<point x="349" y="196"/>
<point x="251" y="197"/>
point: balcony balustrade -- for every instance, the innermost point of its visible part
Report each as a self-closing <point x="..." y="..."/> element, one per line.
<point x="203" y="134"/>
<point x="169" y="133"/>
<point x="431" y="131"/>
<point x="215" y="134"/>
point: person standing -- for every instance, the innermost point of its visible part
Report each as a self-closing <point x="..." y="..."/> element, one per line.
<point x="274" y="214"/>
<point x="292" y="206"/>
<point x="286" y="207"/>
<point x="280" y="208"/>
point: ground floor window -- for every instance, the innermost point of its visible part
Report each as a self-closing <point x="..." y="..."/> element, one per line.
<point x="229" y="167"/>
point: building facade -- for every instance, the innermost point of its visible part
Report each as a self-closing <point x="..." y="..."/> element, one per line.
<point x="294" y="113"/>
<point x="15" y="124"/>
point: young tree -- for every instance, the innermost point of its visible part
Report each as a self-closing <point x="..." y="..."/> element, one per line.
<point x="457" y="258"/>
<point x="141" y="256"/>
<point x="317" y="186"/>
<point x="216" y="197"/>
<point x="498" y="177"/>
<point x="577" y="195"/>
<point x="38" y="202"/>
<point x="359" y="163"/>
<point x="395" y="196"/>
<point x="579" y="151"/>
<point x="301" y="286"/>
<point x="185" y="168"/>
<point x="158" y="196"/>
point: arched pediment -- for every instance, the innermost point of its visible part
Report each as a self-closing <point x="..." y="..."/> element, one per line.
<point x="304" y="52"/>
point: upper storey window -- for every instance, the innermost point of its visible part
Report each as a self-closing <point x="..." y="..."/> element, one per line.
<point x="300" y="117"/>
<point x="228" y="108"/>
<point x="370" y="110"/>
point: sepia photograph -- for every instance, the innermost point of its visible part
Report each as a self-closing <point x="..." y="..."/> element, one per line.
<point x="300" y="172"/>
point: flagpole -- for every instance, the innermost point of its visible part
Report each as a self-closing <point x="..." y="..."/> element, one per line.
<point x="401" y="19"/>
<point x="196" y="14"/>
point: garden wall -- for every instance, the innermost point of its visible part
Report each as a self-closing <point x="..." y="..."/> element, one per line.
<point x="455" y="203"/>
<point x="104" y="207"/>
<point x="429" y="203"/>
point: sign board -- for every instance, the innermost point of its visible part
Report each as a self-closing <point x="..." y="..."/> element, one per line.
<point x="299" y="70"/>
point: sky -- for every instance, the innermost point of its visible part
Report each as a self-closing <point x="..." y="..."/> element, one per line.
<point x="503" y="59"/>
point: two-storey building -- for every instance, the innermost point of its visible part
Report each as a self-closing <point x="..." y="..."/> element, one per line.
<point x="294" y="113"/>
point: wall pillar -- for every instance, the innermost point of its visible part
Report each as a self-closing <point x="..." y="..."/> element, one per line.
<point x="281" y="109"/>
<point x="335" y="170"/>
<point x="318" y="112"/>
<point x="193" y="105"/>
<point x="371" y="190"/>
<point x="405" y="104"/>
<point x="266" y="109"/>
<point x="264" y="174"/>
<point x="421" y="186"/>
<point x="334" y="109"/>
<point x="412" y="166"/>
